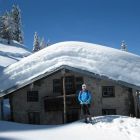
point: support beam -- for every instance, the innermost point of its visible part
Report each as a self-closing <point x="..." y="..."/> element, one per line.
<point x="1" y="109"/>
<point x="131" y="103"/>
<point x="64" y="97"/>
<point x="136" y="102"/>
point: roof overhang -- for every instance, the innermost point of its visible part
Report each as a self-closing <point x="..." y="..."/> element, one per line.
<point x="97" y="76"/>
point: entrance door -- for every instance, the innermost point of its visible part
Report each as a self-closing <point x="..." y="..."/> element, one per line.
<point x="34" y="117"/>
<point x="72" y="115"/>
<point x="73" y="107"/>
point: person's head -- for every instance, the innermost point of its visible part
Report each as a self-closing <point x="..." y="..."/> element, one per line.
<point x="84" y="87"/>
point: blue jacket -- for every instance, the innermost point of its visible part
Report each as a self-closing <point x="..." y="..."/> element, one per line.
<point x="84" y="97"/>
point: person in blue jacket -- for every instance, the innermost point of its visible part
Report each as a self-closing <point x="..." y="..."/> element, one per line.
<point x="84" y="98"/>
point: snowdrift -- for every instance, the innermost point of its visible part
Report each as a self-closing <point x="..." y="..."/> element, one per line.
<point x="106" y="128"/>
<point x="11" y="53"/>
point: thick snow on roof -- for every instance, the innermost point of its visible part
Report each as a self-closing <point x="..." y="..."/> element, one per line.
<point x="11" y="53"/>
<point x="110" y="62"/>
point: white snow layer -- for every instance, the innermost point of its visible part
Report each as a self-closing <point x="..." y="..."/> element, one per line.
<point x="102" y="60"/>
<point x="106" y="128"/>
<point x="11" y="53"/>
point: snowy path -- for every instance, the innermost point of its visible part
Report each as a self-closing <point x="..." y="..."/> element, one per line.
<point x="108" y="128"/>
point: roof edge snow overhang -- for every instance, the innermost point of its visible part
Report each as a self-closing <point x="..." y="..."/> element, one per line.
<point x="97" y="76"/>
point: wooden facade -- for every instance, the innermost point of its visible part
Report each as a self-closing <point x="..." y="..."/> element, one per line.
<point x="53" y="99"/>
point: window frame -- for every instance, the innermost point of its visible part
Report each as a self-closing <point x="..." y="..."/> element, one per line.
<point x="78" y="83"/>
<point x="31" y="97"/>
<point x="53" y="104"/>
<point x="70" y="86"/>
<point x="108" y="95"/>
<point x="57" y="86"/>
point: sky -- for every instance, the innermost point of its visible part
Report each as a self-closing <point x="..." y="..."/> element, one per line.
<point x="105" y="22"/>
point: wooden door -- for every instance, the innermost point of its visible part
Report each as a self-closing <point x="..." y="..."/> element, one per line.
<point x="34" y="117"/>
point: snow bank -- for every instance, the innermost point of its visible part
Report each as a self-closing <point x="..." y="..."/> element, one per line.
<point x="106" y="128"/>
<point x="102" y="60"/>
<point x="11" y="53"/>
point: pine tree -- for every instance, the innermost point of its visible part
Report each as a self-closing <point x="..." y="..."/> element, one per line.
<point x="36" y="44"/>
<point x="6" y="27"/>
<point x="16" y="15"/>
<point x="1" y="26"/>
<point x="123" y="46"/>
<point x="42" y="44"/>
<point x="48" y="43"/>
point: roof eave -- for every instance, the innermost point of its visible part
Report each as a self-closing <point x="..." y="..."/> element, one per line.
<point x="17" y="87"/>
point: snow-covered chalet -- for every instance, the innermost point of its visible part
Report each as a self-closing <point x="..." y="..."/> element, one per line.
<point x="42" y="88"/>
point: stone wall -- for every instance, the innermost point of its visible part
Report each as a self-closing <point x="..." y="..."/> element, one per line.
<point x="21" y="107"/>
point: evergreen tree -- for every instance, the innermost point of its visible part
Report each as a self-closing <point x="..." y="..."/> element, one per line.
<point x="6" y="27"/>
<point x="16" y="15"/>
<point x="0" y="26"/>
<point x="48" y="43"/>
<point x="36" y="44"/>
<point x="123" y="46"/>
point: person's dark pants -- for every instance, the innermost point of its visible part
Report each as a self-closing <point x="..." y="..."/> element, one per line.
<point x="85" y="111"/>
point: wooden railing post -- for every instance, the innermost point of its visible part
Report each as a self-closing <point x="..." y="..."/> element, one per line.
<point x="1" y="109"/>
<point x="64" y="97"/>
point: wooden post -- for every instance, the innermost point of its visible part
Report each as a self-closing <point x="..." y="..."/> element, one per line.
<point x="1" y="109"/>
<point x="64" y="97"/>
<point x="135" y="100"/>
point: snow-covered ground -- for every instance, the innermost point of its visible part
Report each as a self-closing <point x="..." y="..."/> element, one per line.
<point x="106" y="128"/>
<point x="11" y="53"/>
<point x="101" y="60"/>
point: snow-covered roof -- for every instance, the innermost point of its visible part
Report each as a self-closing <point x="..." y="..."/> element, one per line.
<point x="98" y="59"/>
<point x="11" y="53"/>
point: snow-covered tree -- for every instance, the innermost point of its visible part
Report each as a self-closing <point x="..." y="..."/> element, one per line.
<point x="42" y="44"/>
<point x="36" y="44"/>
<point x="1" y="26"/>
<point x="6" y="27"/>
<point x="48" y="43"/>
<point x="16" y="15"/>
<point x="123" y="46"/>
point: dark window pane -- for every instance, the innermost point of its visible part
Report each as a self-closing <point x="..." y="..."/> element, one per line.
<point x="108" y="91"/>
<point x="69" y="85"/>
<point x="79" y="82"/>
<point x="32" y="96"/>
<point x="57" y="86"/>
<point x="54" y="104"/>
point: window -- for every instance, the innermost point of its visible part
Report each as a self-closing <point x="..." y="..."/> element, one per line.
<point x="32" y="96"/>
<point x="109" y="111"/>
<point x="79" y="82"/>
<point x="72" y="85"/>
<point x="53" y="104"/>
<point x="57" y="86"/>
<point x="33" y="117"/>
<point x="69" y="85"/>
<point x="108" y="91"/>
